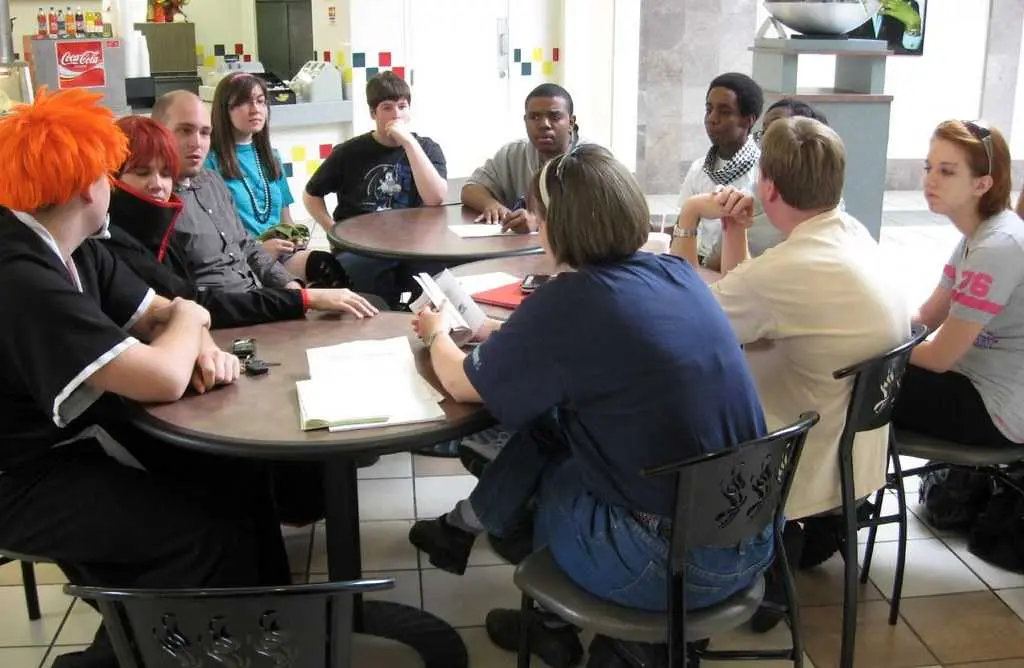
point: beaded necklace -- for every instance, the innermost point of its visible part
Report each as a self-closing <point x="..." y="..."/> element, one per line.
<point x="262" y="213"/>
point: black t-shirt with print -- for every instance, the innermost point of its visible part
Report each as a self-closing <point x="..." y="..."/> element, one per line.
<point x="368" y="176"/>
<point x="56" y="336"/>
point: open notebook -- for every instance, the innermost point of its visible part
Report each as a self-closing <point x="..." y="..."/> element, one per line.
<point x="365" y="384"/>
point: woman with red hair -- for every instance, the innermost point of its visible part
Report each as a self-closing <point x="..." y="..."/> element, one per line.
<point x="966" y="384"/>
<point x="109" y="505"/>
<point x="143" y="211"/>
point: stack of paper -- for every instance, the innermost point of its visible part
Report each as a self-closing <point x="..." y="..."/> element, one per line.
<point x="365" y="384"/>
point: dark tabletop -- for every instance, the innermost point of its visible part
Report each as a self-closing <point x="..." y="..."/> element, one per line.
<point x="520" y="266"/>
<point x="259" y="417"/>
<point x="422" y="234"/>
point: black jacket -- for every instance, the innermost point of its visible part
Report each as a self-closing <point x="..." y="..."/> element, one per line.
<point x="142" y="235"/>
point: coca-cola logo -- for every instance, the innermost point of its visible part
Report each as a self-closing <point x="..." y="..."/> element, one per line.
<point x="80" y="64"/>
<point x="84" y="59"/>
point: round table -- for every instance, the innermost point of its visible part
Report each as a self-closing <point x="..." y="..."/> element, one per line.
<point x="530" y="264"/>
<point x="422" y="234"/>
<point x="257" y="417"/>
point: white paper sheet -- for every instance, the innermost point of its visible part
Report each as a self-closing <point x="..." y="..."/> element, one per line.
<point x="481" y="282"/>
<point x="463" y="315"/>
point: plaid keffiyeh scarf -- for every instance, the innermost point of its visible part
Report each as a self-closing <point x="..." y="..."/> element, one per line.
<point x="736" y="166"/>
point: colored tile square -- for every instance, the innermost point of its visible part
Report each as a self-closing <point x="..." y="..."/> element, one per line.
<point x="325" y="150"/>
<point x="556" y="54"/>
<point x="346" y="75"/>
<point x="526" y="69"/>
<point x="359" y="59"/>
<point x="517" y="55"/>
<point x="211" y="61"/>
<point x="247" y="57"/>
<point x="372" y="72"/>
<point x="289" y="171"/>
<point x="384" y="59"/>
<point x="218" y="49"/>
<point x="547" y="68"/>
<point x="399" y="72"/>
<point x="312" y="166"/>
<point x="538" y="55"/>
<point x="327" y="56"/>
<point x="298" y="153"/>
<point x="239" y="49"/>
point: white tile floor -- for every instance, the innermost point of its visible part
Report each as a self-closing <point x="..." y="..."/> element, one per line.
<point x="403" y="487"/>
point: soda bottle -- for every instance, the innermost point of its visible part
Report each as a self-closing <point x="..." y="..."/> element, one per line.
<point x="79" y="22"/>
<point x="69" y="18"/>
<point x="90" y="24"/>
<point x="52" y="24"/>
<point x="42" y="24"/>
<point x="62" y="25"/>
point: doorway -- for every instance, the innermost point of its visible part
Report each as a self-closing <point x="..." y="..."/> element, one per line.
<point x="284" y="32"/>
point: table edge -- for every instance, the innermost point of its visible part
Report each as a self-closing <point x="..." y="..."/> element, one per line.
<point x="252" y="449"/>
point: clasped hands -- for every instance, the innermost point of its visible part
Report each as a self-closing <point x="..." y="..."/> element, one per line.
<point x="732" y="205"/>
<point x="213" y="366"/>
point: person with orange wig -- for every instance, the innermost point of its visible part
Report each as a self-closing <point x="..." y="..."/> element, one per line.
<point x="80" y="330"/>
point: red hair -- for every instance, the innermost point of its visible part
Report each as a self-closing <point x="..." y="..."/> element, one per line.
<point x="55" y="148"/>
<point x="148" y="141"/>
<point x="959" y="133"/>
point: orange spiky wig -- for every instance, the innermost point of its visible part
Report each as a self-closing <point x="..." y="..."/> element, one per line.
<point x="55" y="148"/>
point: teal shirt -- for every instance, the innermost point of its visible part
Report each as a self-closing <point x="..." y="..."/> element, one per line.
<point x="280" y="193"/>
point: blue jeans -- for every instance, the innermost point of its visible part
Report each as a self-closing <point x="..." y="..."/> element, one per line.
<point x="599" y="545"/>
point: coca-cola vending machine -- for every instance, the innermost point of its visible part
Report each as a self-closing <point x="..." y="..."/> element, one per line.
<point x="96" y="64"/>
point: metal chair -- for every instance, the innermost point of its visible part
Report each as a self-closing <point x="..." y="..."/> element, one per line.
<point x="256" y="627"/>
<point x="876" y="385"/>
<point x="707" y="512"/>
<point x="998" y="461"/>
<point x="28" y="579"/>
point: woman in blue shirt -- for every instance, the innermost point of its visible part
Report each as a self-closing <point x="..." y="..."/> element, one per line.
<point x="242" y="155"/>
<point x="601" y="374"/>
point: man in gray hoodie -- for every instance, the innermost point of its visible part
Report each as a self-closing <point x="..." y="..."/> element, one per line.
<point x="498" y="189"/>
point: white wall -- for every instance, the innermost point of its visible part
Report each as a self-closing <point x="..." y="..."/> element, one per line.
<point x="943" y="83"/>
<point x="226" y="22"/>
<point x="601" y="40"/>
<point x="1017" y="138"/>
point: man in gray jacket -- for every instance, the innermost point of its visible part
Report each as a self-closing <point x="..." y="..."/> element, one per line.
<point x="221" y="252"/>
<point x="498" y="189"/>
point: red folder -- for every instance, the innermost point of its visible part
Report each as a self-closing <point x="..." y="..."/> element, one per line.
<point x="507" y="296"/>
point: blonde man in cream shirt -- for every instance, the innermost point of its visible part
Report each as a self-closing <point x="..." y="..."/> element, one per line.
<point x="820" y="300"/>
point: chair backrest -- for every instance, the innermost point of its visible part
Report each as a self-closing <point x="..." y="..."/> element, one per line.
<point x="726" y="497"/>
<point x="876" y="384"/>
<point x="258" y="627"/>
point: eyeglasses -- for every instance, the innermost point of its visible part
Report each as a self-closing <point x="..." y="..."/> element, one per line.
<point x="983" y="134"/>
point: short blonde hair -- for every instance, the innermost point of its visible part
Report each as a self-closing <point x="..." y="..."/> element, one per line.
<point x="596" y="212"/>
<point x="806" y="160"/>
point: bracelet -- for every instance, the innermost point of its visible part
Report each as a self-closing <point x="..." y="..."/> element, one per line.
<point x="429" y="341"/>
<point x="680" y="233"/>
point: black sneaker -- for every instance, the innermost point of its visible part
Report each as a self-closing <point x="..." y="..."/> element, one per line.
<point x="555" y="642"/>
<point x="448" y="547"/>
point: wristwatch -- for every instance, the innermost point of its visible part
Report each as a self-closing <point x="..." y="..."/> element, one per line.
<point x="680" y="233"/>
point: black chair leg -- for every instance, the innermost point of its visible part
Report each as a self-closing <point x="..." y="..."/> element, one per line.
<point x="792" y="605"/>
<point x="850" y="574"/>
<point x="28" y="579"/>
<point x="869" y="548"/>
<point x="901" y="547"/>
<point x="526" y="608"/>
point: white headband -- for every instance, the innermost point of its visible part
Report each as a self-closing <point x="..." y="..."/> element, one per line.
<point x="545" y="197"/>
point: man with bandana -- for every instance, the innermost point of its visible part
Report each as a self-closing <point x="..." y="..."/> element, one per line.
<point x="731" y="108"/>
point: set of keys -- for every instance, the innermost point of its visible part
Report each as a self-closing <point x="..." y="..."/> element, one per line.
<point x="245" y="351"/>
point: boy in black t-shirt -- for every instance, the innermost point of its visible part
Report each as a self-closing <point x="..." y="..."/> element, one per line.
<point x="387" y="168"/>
